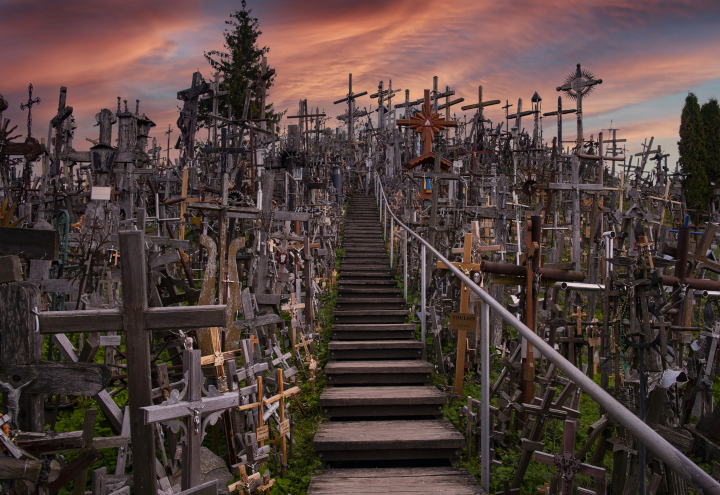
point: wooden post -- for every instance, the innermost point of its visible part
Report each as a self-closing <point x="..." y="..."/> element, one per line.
<point x="22" y="344"/>
<point x="191" y="452"/>
<point x="137" y="348"/>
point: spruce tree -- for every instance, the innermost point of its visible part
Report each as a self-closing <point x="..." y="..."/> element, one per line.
<point x="710" y="113"/>
<point x="239" y="67"/>
<point x="693" y="154"/>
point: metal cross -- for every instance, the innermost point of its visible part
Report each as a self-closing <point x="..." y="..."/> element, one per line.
<point x="31" y="101"/>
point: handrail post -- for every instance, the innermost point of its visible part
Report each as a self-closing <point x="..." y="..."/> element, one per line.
<point x="405" y="262"/>
<point x="485" y="423"/>
<point x="385" y="218"/>
<point x="423" y="290"/>
<point x="392" y="241"/>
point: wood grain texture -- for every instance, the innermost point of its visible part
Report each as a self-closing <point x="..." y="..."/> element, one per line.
<point x="345" y="396"/>
<point x="51" y="377"/>
<point x="405" y="481"/>
<point x="29" y="243"/>
<point x="379" y="435"/>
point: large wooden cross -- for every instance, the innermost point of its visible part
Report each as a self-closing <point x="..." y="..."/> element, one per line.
<point x="466" y="266"/>
<point x="136" y="320"/>
<point x="427" y="123"/>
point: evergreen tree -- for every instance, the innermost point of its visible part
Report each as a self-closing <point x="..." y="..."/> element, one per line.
<point x="239" y="67"/>
<point x="693" y="154"/>
<point x="710" y="113"/>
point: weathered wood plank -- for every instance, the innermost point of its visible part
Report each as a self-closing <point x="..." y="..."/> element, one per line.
<point x="34" y="244"/>
<point x="10" y="269"/>
<point x="50" y="377"/>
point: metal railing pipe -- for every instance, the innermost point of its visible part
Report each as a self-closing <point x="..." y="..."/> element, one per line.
<point x="663" y="449"/>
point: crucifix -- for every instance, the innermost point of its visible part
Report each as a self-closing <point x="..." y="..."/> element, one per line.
<point x="350" y="99"/>
<point x="215" y="94"/>
<point x="578" y="85"/>
<point x="196" y="413"/>
<point x="187" y="121"/>
<point x="480" y="105"/>
<point x="57" y="123"/>
<point x="560" y="112"/>
<point x="568" y="465"/>
<point x="467" y="266"/>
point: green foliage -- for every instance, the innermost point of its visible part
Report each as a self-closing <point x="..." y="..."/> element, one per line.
<point x="239" y="66"/>
<point x="710" y="113"/>
<point x="692" y="149"/>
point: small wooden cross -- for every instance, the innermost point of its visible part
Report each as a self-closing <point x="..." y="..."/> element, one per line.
<point x="568" y="465"/>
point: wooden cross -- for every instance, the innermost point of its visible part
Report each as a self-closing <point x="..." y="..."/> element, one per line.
<point x="427" y="123"/>
<point x="284" y="425"/>
<point x="293" y="308"/>
<point x="665" y="199"/>
<point x="63" y="113"/>
<point x="466" y="266"/>
<point x="560" y="112"/>
<point x="196" y="412"/>
<point x="576" y="339"/>
<point x="350" y="99"/>
<point x="187" y="121"/>
<point x="136" y="320"/>
<point x="568" y="465"/>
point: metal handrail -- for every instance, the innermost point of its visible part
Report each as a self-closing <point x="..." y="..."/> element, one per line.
<point x="663" y="449"/>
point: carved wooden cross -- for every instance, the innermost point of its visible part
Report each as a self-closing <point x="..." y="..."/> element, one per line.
<point x="350" y="99"/>
<point x="427" y="123"/>
<point x="665" y="199"/>
<point x="568" y="465"/>
<point x="196" y="412"/>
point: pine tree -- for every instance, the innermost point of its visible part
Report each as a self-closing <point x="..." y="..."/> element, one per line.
<point x="693" y="154"/>
<point x="710" y="113"/>
<point x="239" y="67"/>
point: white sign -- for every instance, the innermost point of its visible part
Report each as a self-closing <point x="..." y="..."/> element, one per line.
<point x="101" y="193"/>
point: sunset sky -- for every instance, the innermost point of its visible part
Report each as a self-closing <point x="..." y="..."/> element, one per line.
<point x="650" y="54"/>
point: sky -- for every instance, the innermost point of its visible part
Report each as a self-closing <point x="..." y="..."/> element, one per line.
<point x="649" y="54"/>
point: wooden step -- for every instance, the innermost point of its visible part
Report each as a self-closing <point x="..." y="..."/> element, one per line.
<point x="391" y="282"/>
<point x="398" y="481"/>
<point x="369" y="300"/>
<point x="362" y="291"/>
<point x="374" y="349"/>
<point x="387" y="440"/>
<point x="377" y="331"/>
<point x="367" y="316"/>
<point x="358" y="402"/>
<point x="378" y="372"/>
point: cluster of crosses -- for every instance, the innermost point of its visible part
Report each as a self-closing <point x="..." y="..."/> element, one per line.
<point x="193" y="284"/>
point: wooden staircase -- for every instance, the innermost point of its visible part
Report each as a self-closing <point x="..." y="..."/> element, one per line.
<point x="379" y="405"/>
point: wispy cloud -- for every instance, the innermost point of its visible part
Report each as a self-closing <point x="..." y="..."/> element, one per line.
<point x="645" y="52"/>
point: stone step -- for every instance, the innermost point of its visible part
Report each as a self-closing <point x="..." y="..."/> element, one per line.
<point x="374" y="349"/>
<point x="387" y="440"/>
<point x="378" y="372"/>
<point x="387" y="331"/>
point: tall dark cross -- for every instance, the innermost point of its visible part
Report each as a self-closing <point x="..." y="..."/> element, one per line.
<point x="560" y="112"/>
<point x="167" y="133"/>
<point x="57" y="123"/>
<point x="427" y="123"/>
<point x="519" y="115"/>
<point x="507" y="117"/>
<point x="382" y="95"/>
<point x="578" y="85"/>
<point x="478" y="116"/>
<point x="187" y="121"/>
<point x="29" y="104"/>
<point x="350" y="98"/>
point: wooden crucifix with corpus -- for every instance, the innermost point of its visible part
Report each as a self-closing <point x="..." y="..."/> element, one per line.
<point x="466" y="266"/>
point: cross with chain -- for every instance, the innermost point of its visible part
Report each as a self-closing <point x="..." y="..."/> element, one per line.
<point x="31" y="101"/>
